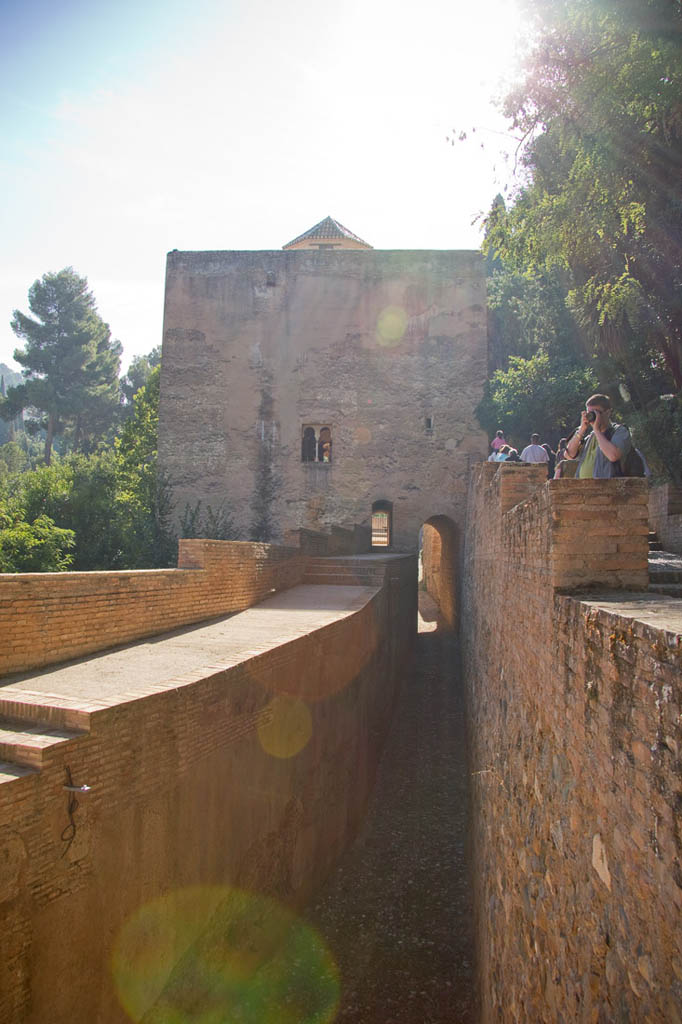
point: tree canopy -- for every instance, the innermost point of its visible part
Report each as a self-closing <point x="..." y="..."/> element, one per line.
<point x="70" y="361"/>
<point x="599" y="112"/>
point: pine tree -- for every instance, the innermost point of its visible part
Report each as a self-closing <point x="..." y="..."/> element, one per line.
<point x="70" y="362"/>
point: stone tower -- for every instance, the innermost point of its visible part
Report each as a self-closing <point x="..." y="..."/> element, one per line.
<point x="309" y="386"/>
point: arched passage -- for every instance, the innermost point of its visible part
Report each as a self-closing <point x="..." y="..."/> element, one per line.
<point x="438" y="551"/>
<point x="382" y="524"/>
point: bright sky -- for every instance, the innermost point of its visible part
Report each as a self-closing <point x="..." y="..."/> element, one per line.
<point x="132" y="128"/>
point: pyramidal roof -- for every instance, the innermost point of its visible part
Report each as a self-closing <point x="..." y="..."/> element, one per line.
<point x="327" y="233"/>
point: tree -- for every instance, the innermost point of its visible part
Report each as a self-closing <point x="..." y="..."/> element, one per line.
<point x="138" y="374"/>
<point x="599" y="111"/>
<point x="535" y="395"/>
<point x="78" y="493"/>
<point x="70" y="362"/>
<point x="37" y="546"/>
<point x="143" y="498"/>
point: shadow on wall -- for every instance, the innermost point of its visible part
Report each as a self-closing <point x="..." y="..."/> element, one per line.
<point x="438" y="557"/>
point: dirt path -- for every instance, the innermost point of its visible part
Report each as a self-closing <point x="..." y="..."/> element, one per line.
<point x="397" y="911"/>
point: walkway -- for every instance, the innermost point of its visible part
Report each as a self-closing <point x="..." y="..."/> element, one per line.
<point x="397" y="912"/>
<point x="175" y="659"/>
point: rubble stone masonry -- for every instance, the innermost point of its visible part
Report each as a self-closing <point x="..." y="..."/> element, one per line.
<point x="385" y="349"/>
<point x="574" y="704"/>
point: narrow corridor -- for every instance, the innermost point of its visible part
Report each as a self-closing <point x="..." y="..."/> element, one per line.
<point x="397" y="911"/>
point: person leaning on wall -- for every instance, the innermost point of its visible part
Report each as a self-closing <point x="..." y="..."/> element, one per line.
<point x="601" y="444"/>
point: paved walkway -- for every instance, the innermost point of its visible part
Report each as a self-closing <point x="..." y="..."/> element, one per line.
<point x="175" y="659"/>
<point x="397" y="912"/>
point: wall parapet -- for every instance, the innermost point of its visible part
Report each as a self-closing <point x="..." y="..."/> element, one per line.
<point x="47" y="618"/>
<point x="573" y="673"/>
<point x="569" y="533"/>
<point x="197" y="779"/>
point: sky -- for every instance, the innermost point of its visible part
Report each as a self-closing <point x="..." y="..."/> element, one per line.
<point x="133" y="128"/>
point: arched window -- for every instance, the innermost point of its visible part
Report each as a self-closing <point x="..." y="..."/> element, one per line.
<point x="382" y="515"/>
<point x="308" y="445"/>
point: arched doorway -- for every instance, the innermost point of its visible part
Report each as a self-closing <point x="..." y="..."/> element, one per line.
<point x="438" y="566"/>
<point x="382" y="525"/>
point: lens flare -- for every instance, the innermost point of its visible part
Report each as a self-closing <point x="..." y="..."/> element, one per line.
<point x="207" y="955"/>
<point x="287" y="728"/>
<point x="391" y="325"/>
<point x="362" y="435"/>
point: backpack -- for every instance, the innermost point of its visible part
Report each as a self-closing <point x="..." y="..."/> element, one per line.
<point x="634" y="463"/>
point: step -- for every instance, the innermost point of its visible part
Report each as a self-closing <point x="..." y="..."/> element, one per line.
<point x="13" y="772"/>
<point x="655" y="545"/>
<point x="664" y="575"/>
<point x="22" y="743"/>
<point x="36" y="713"/>
<point x="670" y="589"/>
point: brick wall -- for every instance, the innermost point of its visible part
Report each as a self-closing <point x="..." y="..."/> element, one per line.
<point x="574" y="706"/>
<point x="52" y="617"/>
<point x="665" y="515"/>
<point x="184" y="794"/>
<point x="439" y="562"/>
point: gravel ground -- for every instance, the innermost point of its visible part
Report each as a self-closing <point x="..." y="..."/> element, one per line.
<point x="397" y="911"/>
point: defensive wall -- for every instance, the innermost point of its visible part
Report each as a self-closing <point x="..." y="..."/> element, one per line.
<point x="574" y="690"/>
<point x="197" y="776"/>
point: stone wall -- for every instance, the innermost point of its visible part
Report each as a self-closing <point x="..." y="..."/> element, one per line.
<point x="665" y="516"/>
<point x="51" y="617"/>
<point x="386" y="349"/>
<point x="183" y="793"/>
<point x="574" y="705"/>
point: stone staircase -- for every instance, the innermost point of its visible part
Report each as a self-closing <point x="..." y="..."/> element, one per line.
<point x="665" y="573"/>
<point x="29" y="733"/>
<point x="344" y="572"/>
<point x="654" y="542"/>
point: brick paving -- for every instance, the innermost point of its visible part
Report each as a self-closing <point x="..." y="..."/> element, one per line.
<point x="397" y="912"/>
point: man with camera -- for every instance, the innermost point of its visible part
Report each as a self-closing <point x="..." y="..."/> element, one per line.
<point x="606" y="445"/>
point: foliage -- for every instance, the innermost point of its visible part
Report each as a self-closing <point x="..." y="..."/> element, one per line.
<point x="32" y="546"/>
<point x="214" y="525"/>
<point x="9" y="428"/>
<point x="657" y="430"/>
<point x="110" y="503"/>
<point x="143" y="498"/>
<point x="600" y="115"/>
<point x="79" y="493"/>
<point x="265" y="480"/>
<point x="70" y="362"/>
<point x="138" y="374"/>
<point x="535" y="395"/>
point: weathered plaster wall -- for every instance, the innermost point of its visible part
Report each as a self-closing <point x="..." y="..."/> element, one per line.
<point x="184" y="794"/>
<point x="51" y="617"/>
<point x="574" y="704"/>
<point x="257" y="344"/>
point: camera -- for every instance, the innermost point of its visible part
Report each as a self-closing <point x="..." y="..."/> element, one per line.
<point x="591" y="416"/>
